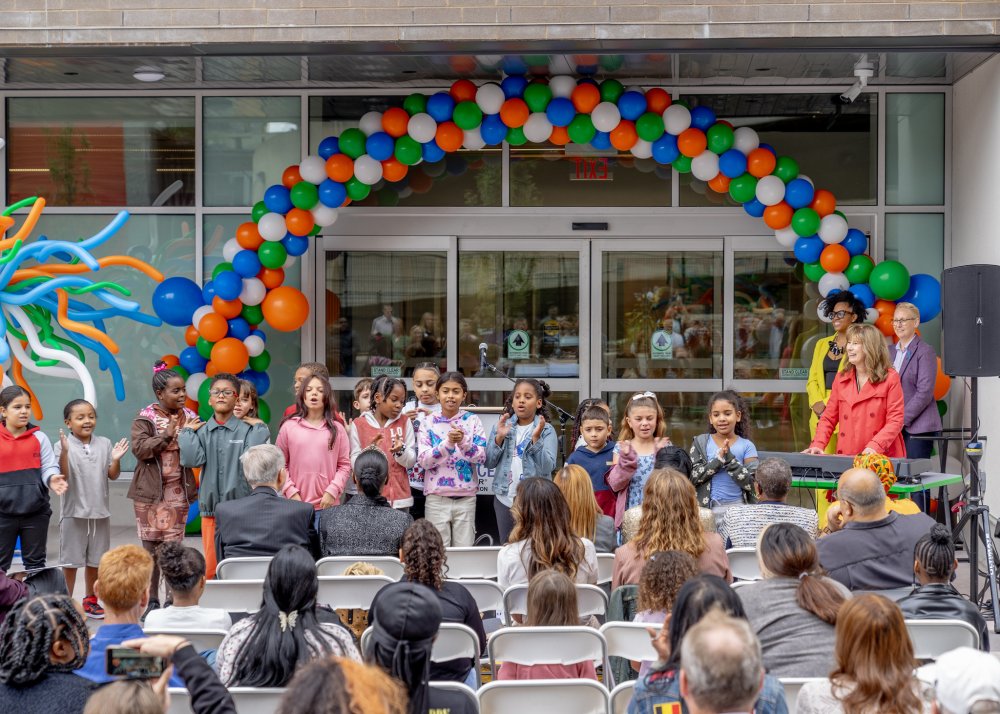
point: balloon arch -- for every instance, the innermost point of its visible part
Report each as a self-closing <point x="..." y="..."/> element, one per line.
<point x="223" y="318"/>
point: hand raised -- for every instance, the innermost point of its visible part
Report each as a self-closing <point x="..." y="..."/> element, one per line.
<point x="537" y="433"/>
<point x="624" y="448"/>
<point x="58" y="484"/>
<point x="119" y="449"/>
<point x="63" y="440"/>
<point x="503" y="428"/>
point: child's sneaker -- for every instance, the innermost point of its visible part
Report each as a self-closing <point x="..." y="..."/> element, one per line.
<point x="92" y="608"/>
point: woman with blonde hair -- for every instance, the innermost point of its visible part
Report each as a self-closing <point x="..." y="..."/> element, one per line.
<point x="670" y="521"/>
<point x="586" y="519"/>
<point x="866" y="400"/>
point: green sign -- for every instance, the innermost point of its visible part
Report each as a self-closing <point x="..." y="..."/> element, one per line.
<point x="661" y="345"/>
<point x="518" y="345"/>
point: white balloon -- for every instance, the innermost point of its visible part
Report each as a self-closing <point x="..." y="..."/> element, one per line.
<point x="770" y="190"/>
<point x="490" y="98"/>
<point x="289" y="262"/>
<point x="822" y="315"/>
<point x="271" y="226"/>
<point x="676" y="118"/>
<point x="193" y="384"/>
<point x="253" y="291"/>
<point x="200" y="313"/>
<point x="812" y="292"/>
<point x="538" y="128"/>
<point x="230" y="249"/>
<point x="473" y="139"/>
<point x="422" y="127"/>
<point x="832" y="229"/>
<point x="832" y="282"/>
<point x="745" y="139"/>
<point x="871" y="314"/>
<point x="367" y="170"/>
<point x="642" y="149"/>
<point x="254" y="345"/>
<point x="786" y="237"/>
<point x="562" y="86"/>
<point x="371" y="123"/>
<point x="324" y="215"/>
<point x="605" y="116"/>
<point x="806" y="178"/>
<point x="313" y="169"/>
<point x="705" y="166"/>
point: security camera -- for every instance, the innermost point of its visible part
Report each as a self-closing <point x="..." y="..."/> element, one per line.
<point x="863" y="71"/>
<point x="851" y="94"/>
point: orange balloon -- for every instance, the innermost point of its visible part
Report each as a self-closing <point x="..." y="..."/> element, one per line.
<point x="211" y="370"/>
<point x="559" y="136"/>
<point x="230" y="355"/>
<point x="884" y="325"/>
<point x="299" y="222"/>
<point x="760" y="162"/>
<point x="213" y="327"/>
<point x="393" y="170"/>
<point x="340" y="167"/>
<point x="834" y="258"/>
<point x="692" y="142"/>
<point x="191" y="404"/>
<point x="227" y="308"/>
<point x="514" y="112"/>
<point x="719" y="184"/>
<point x="271" y="277"/>
<point x="824" y="202"/>
<point x="585" y="97"/>
<point x="624" y="136"/>
<point x="449" y="136"/>
<point x="191" y="335"/>
<point x="248" y="236"/>
<point x="885" y="307"/>
<point x="395" y="121"/>
<point x="778" y="216"/>
<point x="463" y="91"/>
<point x="170" y="360"/>
<point x="942" y="382"/>
<point x="657" y="100"/>
<point x="291" y="176"/>
<point x="285" y="308"/>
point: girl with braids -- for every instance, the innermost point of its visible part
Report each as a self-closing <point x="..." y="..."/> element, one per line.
<point x="794" y="608"/>
<point x="315" y="445"/>
<point x="386" y="427"/>
<point x="724" y="459"/>
<point x="365" y="525"/>
<point x="184" y="570"/>
<point x="265" y="649"/>
<point x="41" y="642"/>
<point x="934" y="566"/>
<point x="161" y="489"/>
<point x="334" y="685"/>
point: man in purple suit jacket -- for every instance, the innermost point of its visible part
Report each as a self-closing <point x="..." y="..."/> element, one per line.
<point x="916" y="362"/>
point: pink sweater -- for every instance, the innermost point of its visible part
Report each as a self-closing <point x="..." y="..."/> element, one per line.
<point x="313" y="468"/>
<point x="449" y="469"/>
<point x="578" y="670"/>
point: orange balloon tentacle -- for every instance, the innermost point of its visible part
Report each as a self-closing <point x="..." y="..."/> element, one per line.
<point x="62" y="315"/>
<point x="19" y="380"/>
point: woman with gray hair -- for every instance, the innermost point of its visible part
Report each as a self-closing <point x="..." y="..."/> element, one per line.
<point x="916" y="362"/>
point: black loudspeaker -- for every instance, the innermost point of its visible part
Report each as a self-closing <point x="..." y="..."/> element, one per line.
<point x="970" y="321"/>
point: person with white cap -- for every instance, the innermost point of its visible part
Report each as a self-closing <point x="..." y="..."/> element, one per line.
<point x="963" y="681"/>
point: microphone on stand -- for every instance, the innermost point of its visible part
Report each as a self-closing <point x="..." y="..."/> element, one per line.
<point x="482" y="357"/>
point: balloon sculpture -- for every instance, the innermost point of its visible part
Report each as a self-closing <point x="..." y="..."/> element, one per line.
<point x="247" y="289"/>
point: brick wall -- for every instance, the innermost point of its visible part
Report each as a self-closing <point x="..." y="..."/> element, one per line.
<point x="25" y="23"/>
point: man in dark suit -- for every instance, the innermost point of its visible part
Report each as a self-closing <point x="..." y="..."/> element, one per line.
<point x="265" y="521"/>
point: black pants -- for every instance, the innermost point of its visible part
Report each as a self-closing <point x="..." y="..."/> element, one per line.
<point x="505" y="521"/>
<point x="417" y="509"/>
<point x="33" y="530"/>
<point x="919" y="449"/>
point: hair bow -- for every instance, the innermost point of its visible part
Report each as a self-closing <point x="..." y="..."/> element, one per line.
<point x="287" y="621"/>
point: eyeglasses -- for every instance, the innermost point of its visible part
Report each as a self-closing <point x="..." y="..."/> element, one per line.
<point x="840" y="314"/>
<point x="902" y="320"/>
<point x="642" y="395"/>
<point x="221" y="392"/>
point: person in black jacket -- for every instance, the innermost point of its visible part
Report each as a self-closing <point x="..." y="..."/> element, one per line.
<point x="934" y="565"/>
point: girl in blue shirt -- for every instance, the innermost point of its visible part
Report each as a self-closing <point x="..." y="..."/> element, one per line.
<point x="724" y="459"/>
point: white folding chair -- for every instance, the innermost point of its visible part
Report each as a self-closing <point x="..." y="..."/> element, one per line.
<point x="621" y="696"/>
<point x="472" y="562"/>
<point x="464" y="689"/>
<point x="233" y="595"/>
<point x="487" y="594"/>
<point x="629" y="640"/>
<point x="590" y="600"/>
<point x="605" y="567"/>
<point x="257" y="700"/>
<point x="932" y="638"/>
<point x="544" y="696"/>
<point x="743" y="563"/>
<point x="546" y="645"/>
<point x="792" y="686"/>
<point x="454" y="641"/>
<point x="737" y="584"/>
<point x="337" y="564"/>
<point x="254" y="568"/>
<point x="180" y="701"/>
<point x="350" y="591"/>
<point x="201" y="640"/>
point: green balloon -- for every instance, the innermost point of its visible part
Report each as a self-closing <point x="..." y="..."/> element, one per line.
<point x="813" y="271"/>
<point x="683" y="102"/>
<point x="203" y="395"/>
<point x="408" y="151"/>
<point x="315" y="230"/>
<point x="537" y="96"/>
<point x="682" y="164"/>
<point x="581" y="130"/>
<point x="205" y="411"/>
<point x="416" y="103"/>
<point x="304" y="195"/>
<point x="263" y="410"/>
<point x="356" y="190"/>
<point x="786" y="168"/>
<point x="467" y="115"/>
<point x="720" y="138"/>
<point x="942" y="406"/>
<point x="181" y="372"/>
<point x="611" y="90"/>
<point x="611" y="62"/>
<point x="387" y="197"/>
<point x="649" y="126"/>
<point x="221" y="268"/>
<point x="259" y="209"/>
<point x="841" y="214"/>
<point x="261" y="362"/>
<point x="352" y="142"/>
<point x="272" y="254"/>
<point x="859" y="269"/>
<point x="253" y="314"/>
<point x="743" y="188"/>
<point x="536" y="60"/>
<point x="805" y="222"/>
<point x="516" y="137"/>
<point x="204" y="347"/>
<point x="889" y="280"/>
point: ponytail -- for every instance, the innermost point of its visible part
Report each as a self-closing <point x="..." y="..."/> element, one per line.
<point x="371" y="471"/>
<point x="785" y="550"/>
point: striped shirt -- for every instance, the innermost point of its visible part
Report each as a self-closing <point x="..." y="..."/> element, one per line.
<point x="742" y="524"/>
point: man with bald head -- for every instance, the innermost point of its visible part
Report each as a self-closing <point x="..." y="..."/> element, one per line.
<point x="871" y="547"/>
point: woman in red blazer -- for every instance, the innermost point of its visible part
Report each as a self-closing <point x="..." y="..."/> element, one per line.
<point x="866" y="400"/>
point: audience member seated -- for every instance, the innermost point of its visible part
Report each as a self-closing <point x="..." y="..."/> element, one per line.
<point x="660" y="690"/>
<point x="42" y="641"/>
<point x="742" y="525"/>
<point x="963" y="681"/>
<point x="669" y="457"/>
<point x="585" y="517"/>
<point x="874" y="663"/>
<point x="871" y="549"/>
<point x="367" y="524"/>
<point x="670" y="521"/>
<point x="356" y="619"/>
<point x="334" y="685"/>
<point x="265" y="521"/>
<point x="423" y="557"/>
<point x="265" y="649"/>
<point x="407" y="617"/>
<point x="542" y="538"/>
<point x="12" y="590"/>
<point x="794" y="608"/>
<point x="934" y="565"/>
<point x="662" y="577"/>
<point x="721" y="668"/>
<point x="122" y="586"/>
<point x="184" y="570"/>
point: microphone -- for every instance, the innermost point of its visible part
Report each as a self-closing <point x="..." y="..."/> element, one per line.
<point x="482" y="356"/>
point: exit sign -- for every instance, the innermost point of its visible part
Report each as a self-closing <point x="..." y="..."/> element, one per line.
<point x="591" y="169"/>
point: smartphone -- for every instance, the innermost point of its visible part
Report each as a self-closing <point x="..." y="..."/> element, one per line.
<point x="132" y="664"/>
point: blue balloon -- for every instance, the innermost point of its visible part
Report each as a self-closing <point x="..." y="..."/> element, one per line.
<point x="208" y="292"/>
<point x="769" y="148"/>
<point x="514" y="65"/>
<point x="277" y="199"/>
<point x="246" y="263"/>
<point x="259" y="333"/>
<point x="808" y="250"/>
<point x="754" y="208"/>
<point x="228" y="285"/>
<point x="432" y="152"/>
<point x="176" y="299"/>
<point x="799" y="193"/>
<point x="733" y="163"/>
<point x="702" y="118"/>
<point x="864" y="293"/>
<point x="294" y="245"/>
<point x="328" y="147"/>
<point x="925" y="294"/>
<point x="262" y="382"/>
<point x="380" y="146"/>
<point x="440" y="106"/>
<point x="238" y="328"/>
<point x="601" y="140"/>
<point x="332" y="193"/>
<point x="493" y="130"/>
<point x="856" y="242"/>
<point x="561" y="111"/>
<point x="665" y="149"/>
<point x="191" y="360"/>
<point x="631" y="105"/>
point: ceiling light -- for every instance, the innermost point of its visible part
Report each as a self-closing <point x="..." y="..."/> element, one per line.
<point x="148" y="73"/>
